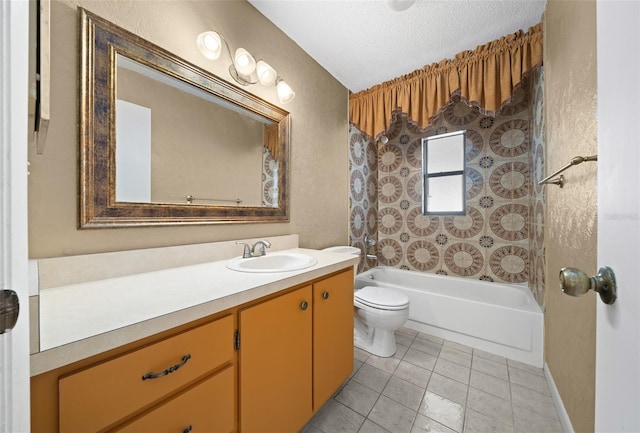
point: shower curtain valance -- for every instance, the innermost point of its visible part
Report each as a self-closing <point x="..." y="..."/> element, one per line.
<point x="485" y="77"/>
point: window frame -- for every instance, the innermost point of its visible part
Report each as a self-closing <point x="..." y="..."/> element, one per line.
<point x="426" y="176"/>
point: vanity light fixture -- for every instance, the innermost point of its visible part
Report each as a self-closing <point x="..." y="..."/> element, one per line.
<point x="210" y="45"/>
<point x="244" y="62"/>
<point x="266" y="74"/>
<point x="244" y="68"/>
<point x="285" y="92"/>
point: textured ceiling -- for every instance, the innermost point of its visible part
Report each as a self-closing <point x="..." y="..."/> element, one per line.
<point x="365" y="42"/>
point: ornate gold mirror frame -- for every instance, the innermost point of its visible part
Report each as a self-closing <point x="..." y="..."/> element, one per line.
<point x="101" y="42"/>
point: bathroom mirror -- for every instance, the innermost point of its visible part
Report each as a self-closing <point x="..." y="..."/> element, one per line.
<point x="166" y="142"/>
<point x="443" y="174"/>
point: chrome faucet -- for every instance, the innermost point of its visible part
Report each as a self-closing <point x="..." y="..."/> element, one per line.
<point x="369" y="241"/>
<point x="257" y="250"/>
<point x="247" y="250"/>
<point x="260" y="245"/>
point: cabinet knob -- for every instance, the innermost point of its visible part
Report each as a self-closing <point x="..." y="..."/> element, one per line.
<point x="304" y="305"/>
<point x="325" y="295"/>
<point x="187" y="429"/>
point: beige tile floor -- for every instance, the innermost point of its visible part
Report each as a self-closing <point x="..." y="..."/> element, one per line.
<point x="438" y="386"/>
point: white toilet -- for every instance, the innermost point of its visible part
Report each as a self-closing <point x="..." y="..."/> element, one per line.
<point x="379" y="312"/>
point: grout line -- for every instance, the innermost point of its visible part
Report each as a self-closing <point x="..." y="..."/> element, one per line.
<point x="513" y="412"/>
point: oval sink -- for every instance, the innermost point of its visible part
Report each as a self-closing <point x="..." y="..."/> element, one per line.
<point x="272" y="263"/>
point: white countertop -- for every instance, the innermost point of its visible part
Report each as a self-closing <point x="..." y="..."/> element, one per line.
<point x="81" y="320"/>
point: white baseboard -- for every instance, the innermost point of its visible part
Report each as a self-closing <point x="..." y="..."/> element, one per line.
<point x="562" y="413"/>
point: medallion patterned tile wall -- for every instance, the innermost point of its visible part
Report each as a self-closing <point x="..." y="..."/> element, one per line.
<point x="494" y="240"/>
<point x="537" y="202"/>
<point x="363" y="195"/>
<point x="490" y="242"/>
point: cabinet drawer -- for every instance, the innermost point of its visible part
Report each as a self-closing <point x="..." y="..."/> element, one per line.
<point x="208" y="407"/>
<point x="99" y="396"/>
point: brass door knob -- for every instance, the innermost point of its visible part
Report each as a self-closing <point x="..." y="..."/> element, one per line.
<point x="575" y="282"/>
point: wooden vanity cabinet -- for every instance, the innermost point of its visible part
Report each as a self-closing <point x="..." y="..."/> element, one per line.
<point x="295" y="352"/>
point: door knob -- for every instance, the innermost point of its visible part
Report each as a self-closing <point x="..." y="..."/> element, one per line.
<point x="325" y="295"/>
<point x="9" y="310"/>
<point x="304" y="305"/>
<point x="574" y="282"/>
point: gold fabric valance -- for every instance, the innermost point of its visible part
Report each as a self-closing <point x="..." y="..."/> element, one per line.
<point x="485" y="77"/>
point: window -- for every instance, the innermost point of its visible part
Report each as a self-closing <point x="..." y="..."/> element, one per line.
<point x="443" y="174"/>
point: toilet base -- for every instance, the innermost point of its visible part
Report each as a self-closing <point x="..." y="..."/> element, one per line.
<point x="379" y="342"/>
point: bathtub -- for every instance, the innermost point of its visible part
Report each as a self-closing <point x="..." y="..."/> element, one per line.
<point x="498" y="318"/>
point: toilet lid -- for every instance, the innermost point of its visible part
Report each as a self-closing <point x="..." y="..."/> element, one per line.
<point x="382" y="297"/>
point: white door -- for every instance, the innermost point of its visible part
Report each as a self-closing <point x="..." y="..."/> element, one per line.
<point x="618" y="116"/>
<point x="14" y="345"/>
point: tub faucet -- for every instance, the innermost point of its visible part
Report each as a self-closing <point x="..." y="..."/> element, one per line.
<point x="369" y="241"/>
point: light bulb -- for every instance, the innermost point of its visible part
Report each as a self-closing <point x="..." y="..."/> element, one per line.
<point x="210" y="44"/>
<point x="285" y="92"/>
<point x="244" y="62"/>
<point x="266" y="74"/>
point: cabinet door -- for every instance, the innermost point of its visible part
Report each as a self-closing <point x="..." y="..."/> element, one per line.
<point x="207" y="407"/>
<point x="332" y="335"/>
<point x="275" y="364"/>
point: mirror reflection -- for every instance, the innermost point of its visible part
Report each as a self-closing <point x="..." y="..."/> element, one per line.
<point x="178" y="144"/>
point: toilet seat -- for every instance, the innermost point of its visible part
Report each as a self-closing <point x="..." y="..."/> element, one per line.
<point x="382" y="298"/>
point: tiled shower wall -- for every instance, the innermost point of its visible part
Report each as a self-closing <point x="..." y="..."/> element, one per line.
<point x="363" y="195"/>
<point x="537" y="203"/>
<point x="492" y="241"/>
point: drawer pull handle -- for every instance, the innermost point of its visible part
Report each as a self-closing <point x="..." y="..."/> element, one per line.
<point x="187" y="429"/>
<point x="169" y="370"/>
